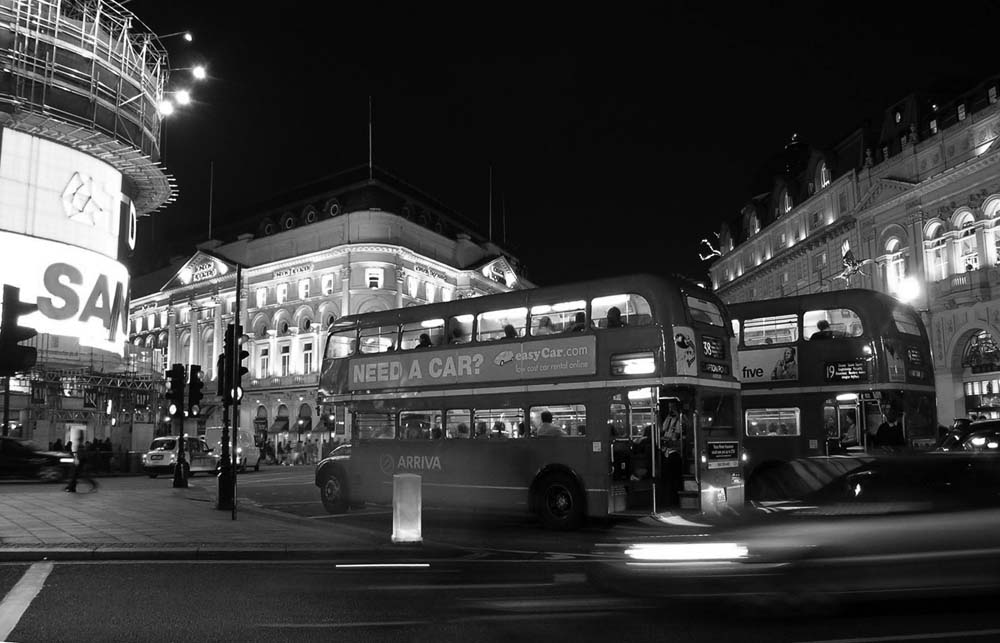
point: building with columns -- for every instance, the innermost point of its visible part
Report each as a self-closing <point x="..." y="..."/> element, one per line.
<point x="356" y="242"/>
<point x="919" y="196"/>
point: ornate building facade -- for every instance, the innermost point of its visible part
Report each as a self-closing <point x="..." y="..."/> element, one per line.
<point x="915" y="205"/>
<point x="353" y="243"/>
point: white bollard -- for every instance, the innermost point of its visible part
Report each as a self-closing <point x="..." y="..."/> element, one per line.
<point x="406" y="504"/>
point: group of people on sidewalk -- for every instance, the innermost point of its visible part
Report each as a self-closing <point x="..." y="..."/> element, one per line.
<point x="290" y="454"/>
<point x="99" y="454"/>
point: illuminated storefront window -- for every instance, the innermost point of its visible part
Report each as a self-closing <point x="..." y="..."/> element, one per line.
<point x="981" y="353"/>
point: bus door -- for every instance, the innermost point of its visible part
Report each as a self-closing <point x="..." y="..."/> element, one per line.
<point x="631" y="421"/>
<point x="843" y="432"/>
<point x="675" y="445"/>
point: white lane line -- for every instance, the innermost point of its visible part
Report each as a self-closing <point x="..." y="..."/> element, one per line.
<point x="342" y="625"/>
<point x="16" y="603"/>
<point x="910" y="637"/>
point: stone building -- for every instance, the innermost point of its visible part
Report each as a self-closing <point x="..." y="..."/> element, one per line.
<point x="917" y="200"/>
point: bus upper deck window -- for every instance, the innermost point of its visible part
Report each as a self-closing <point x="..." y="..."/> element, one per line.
<point x="906" y="321"/>
<point x="422" y="334"/>
<point x="632" y="310"/>
<point x="779" y="329"/>
<point x="501" y="324"/>
<point x="460" y="329"/>
<point x="562" y="317"/>
<point x="343" y="343"/>
<point x="831" y="324"/>
<point x="704" y="311"/>
<point x="378" y="339"/>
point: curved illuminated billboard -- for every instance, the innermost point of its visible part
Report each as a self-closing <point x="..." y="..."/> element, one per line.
<point x="64" y="226"/>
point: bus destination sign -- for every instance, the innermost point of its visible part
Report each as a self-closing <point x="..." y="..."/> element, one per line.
<point x="853" y="371"/>
<point x="723" y="454"/>
<point x="534" y="360"/>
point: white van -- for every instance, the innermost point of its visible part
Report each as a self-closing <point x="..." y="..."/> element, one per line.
<point x="247" y="451"/>
<point x="162" y="456"/>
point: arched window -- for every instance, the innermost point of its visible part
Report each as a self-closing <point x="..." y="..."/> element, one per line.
<point x="895" y="265"/>
<point x="936" y="252"/>
<point x="784" y="202"/>
<point x="981" y="353"/>
<point x="823" y="177"/>
<point x="967" y="245"/>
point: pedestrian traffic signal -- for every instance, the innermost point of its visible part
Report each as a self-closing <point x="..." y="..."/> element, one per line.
<point x="194" y="391"/>
<point x="234" y="354"/>
<point x="175" y="391"/>
<point x="15" y="358"/>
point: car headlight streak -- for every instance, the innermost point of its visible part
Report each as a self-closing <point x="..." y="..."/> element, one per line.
<point x="677" y="552"/>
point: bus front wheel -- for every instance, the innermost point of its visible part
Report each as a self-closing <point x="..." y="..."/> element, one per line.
<point x="560" y="502"/>
<point x="334" y="494"/>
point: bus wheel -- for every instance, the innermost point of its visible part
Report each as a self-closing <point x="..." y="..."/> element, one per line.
<point x="334" y="493"/>
<point x="560" y="503"/>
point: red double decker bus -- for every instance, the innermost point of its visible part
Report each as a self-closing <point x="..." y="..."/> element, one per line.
<point x="547" y="400"/>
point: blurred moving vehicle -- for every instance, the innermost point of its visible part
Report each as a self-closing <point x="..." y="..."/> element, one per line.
<point x="331" y="473"/>
<point x="247" y="451"/>
<point x="981" y="435"/>
<point x="162" y="457"/>
<point x="23" y="459"/>
<point x="834" y="529"/>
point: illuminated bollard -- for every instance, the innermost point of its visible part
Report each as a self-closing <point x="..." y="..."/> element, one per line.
<point x="406" y="508"/>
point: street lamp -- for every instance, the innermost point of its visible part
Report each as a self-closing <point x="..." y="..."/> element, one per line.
<point x="187" y="35"/>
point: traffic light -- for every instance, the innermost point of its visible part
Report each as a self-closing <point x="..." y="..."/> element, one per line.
<point x="194" y="391"/>
<point x="234" y="354"/>
<point x="220" y="369"/>
<point x="175" y="391"/>
<point x="15" y="358"/>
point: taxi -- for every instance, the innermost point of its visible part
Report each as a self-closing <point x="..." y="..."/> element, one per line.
<point x="162" y="457"/>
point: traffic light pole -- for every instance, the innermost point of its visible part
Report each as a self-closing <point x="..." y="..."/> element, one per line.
<point x="237" y="377"/>
<point x="6" y="404"/>
<point x="227" y="497"/>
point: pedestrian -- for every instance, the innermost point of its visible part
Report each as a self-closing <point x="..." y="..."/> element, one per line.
<point x="81" y="469"/>
<point x="889" y="435"/>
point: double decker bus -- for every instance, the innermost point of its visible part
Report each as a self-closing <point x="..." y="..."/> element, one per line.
<point x="819" y="372"/>
<point x="547" y="400"/>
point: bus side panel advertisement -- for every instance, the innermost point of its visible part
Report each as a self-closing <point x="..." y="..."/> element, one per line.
<point x="769" y="365"/>
<point x="533" y="360"/>
<point x="79" y="293"/>
<point x="684" y="349"/>
<point x="721" y="455"/>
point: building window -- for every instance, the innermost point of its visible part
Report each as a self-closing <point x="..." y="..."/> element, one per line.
<point x="895" y="266"/>
<point x="286" y="357"/>
<point x="961" y="112"/>
<point x="993" y="94"/>
<point x="936" y="251"/>
<point x="150" y="321"/>
<point x="307" y="358"/>
<point x="327" y="284"/>
<point x="824" y="175"/>
<point x="754" y="225"/>
<point x="261" y="297"/>
<point x="373" y="277"/>
<point x="304" y="289"/>
<point x="431" y="289"/>
<point x="968" y="248"/>
<point x="262" y="362"/>
<point x="282" y="293"/>
<point x="934" y="128"/>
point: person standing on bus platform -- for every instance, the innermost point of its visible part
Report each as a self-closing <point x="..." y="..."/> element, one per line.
<point x="889" y="435"/>
<point x="546" y="428"/>
<point x="671" y="478"/>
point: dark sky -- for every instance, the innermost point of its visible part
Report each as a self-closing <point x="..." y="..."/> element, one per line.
<point x="619" y="134"/>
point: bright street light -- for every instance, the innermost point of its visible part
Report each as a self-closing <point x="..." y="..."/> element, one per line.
<point x="908" y="290"/>
<point x="185" y="34"/>
<point x="183" y="96"/>
<point x="199" y="72"/>
<point x="166" y="108"/>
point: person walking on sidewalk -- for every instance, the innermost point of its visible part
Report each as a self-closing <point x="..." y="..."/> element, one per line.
<point x="81" y="470"/>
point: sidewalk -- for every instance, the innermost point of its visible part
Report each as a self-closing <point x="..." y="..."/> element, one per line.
<point x="41" y="521"/>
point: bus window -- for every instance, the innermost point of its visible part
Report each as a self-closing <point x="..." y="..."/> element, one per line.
<point x="780" y="329"/>
<point x="493" y="324"/>
<point x="417" y="425"/>
<point x="906" y="321"/>
<point x="498" y="423"/>
<point x="717" y="411"/>
<point x="618" y="421"/>
<point x="548" y="319"/>
<point x="825" y="324"/>
<point x="704" y="311"/>
<point x="571" y="419"/>
<point x="457" y="423"/>
<point x="343" y="343"/>
<point x="634" y="310"/>
<point x="460" y="329"/>
<point x="762" y="423"/>
<point x="378" y="339"/>
<point x="433" y="328"/>
<point x="374" y="426"/>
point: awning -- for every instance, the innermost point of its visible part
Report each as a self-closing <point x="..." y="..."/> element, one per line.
<point x="302" y="425"/>
<point x="280" y="424"/>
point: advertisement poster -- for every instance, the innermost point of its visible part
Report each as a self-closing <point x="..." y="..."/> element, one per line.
<point x="482" y="363"/>
<point x="684" y="349"/>
<point x="769" y="365"/>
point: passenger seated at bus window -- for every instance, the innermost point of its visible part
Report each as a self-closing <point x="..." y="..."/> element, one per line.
<point x="824" y="331"/>
<point x="481" y="431"/>
<point x="615" y="318"/>
<point x="546" y="429"/>
<point x="509" y="332"/>
<point x="579" y="323"/>
<point x="499" y="430"/>
<point x="456" y="336"/>
<point x="424" y="341"/>
<point x="462" y="431"/>
<point x="436" y="433"/>
<point x="544" y="327"/>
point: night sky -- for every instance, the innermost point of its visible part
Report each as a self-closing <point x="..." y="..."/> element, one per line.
<point x="617" y="140"/>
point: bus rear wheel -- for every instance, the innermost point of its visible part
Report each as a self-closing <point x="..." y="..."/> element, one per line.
<point x="560" y="502"/>
<point x="334" y="494"/>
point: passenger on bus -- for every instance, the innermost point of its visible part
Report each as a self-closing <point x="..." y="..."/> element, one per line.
<point x="424" y="341"/>
<point x="544" y="327"/>
<point x="547" y="429"/>
<point x="499" y="430"/>
<point x="579" y="323"/>
<point x="509" y="332"/>
<point x="824" y="331"/>
<point x="463" y="430"/>
<point x="456" y="336"/>
<point x="436" y="433"/>
<point x="615" y="318"/>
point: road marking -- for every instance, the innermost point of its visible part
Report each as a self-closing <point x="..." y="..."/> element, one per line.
<point x="16" y="603"/>
<point x="341" y="625"/>
<point x="370" y="565"/>
<point x="346" y="515"/>
<point x="909" y="637"/>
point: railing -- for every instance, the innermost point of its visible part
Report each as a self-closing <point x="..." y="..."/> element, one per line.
<point x="981" y="284"/>
<point x="310" y="379"/>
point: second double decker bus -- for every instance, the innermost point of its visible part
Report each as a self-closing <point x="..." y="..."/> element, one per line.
<point x="820" y="371"/>
<point x="548" y="400"/>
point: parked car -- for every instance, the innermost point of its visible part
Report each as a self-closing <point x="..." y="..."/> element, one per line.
<point x="958" y="437"/>
<point x="23" y="459"/>
<point x="835" y="529"/>
<point x="162" y="457"/>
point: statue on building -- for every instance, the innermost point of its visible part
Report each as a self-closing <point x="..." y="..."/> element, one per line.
<point x="852" y="267"/>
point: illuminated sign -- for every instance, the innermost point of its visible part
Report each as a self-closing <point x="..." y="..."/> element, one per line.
<point x="855" y="371"/>
<point x="713" y="347"/>
<point x="54" y="192"/>
<point x="720" y="455"/>
<point x="520" y="361"/>
<point x="79" y="293"/>
<point x="769" y="365"/>
<point x="297" y="270"/>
